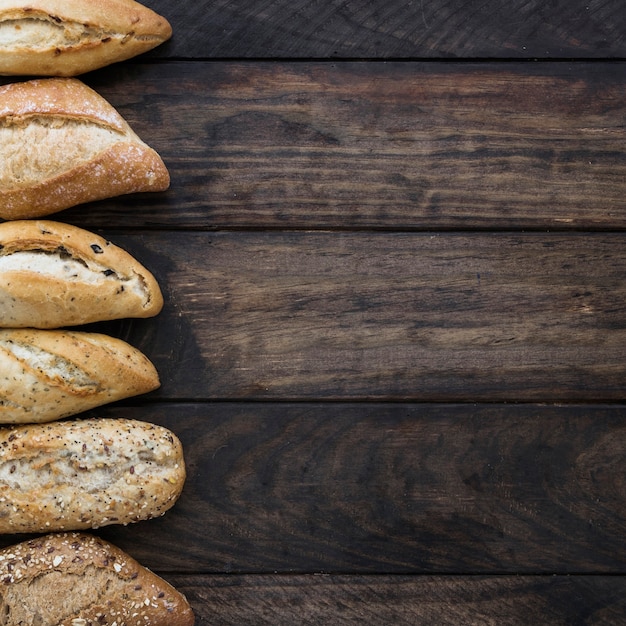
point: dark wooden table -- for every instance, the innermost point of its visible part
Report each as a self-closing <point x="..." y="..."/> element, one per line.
<point x="394" y="340"/>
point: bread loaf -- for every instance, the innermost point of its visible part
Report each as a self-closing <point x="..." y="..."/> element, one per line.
<point x="86" y="473"/>
<point x="47" y="375"/>
<point x="54" y="275"/>
<point x="69" y="37"/>
<point x="62" y="144"/>
<point x="76" y="579"/>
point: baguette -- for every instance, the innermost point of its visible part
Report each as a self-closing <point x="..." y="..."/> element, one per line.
<point x="47" y="375"/>
<point x="53" y="275"/>
<point x="86" y="473"/>
<point x="62" y="144"/>
<point x="70" y="37"/>
<point x="77" y="579"/>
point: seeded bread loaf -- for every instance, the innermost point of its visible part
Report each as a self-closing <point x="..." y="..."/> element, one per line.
<point x="69" y="37"/>
<point x="54" y="275"/>
<point x="62" y="144"/>
<point x="86" y="473"/>
<point x="47" y="375"/>
<point x="76" y="579"/>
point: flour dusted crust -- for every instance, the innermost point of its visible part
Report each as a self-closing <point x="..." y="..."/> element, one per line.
<point x="54" y="275"/>
<point x="62" y="144"/>
<point x="46" y="375"/>
<point x="70" y="37"/>
<point x="86" y="473"/>
<point x="77" y="579"/>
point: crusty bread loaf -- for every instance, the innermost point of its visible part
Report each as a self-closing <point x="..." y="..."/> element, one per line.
<point x="62" y="144"/>
<point x="69" y="37"/>
<point x="54" y="275"/>
<point x="47" y="375"/>
<point x="86" y="473"/>
<point x="77" y="579"/>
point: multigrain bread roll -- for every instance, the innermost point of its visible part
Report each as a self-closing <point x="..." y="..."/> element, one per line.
<point x="86" y="473"/>
<point x="54" y="275"/>
<point x="76" y="579"/>
<point x="69" y="37"/>
<point x="47" y="375"/>
<point x="62" y="144"/>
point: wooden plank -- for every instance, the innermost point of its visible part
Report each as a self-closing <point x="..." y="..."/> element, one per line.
<point x="395" y="488"/>
<point x="414" y="601"/>
<point x="375" y="145"/>
<point x="394" y="29"/>
<point x="426" y="317"/>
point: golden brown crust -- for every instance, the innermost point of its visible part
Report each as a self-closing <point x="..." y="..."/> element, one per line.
<point x="122" y="169"/>
<point x="80" y="278"/>
<point x="66" y="98"/>
<point x="76" y="579"/>
<point x="65" y="111"/>
<point x="47" y="375"/>
<point x="61" y="38"/>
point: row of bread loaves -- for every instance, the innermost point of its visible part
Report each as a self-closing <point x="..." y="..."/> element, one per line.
<point x="54" y="275"/>
<point x="61" y="144"/>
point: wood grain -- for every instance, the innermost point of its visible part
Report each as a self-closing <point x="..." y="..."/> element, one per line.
<point x="388" y="488"/>
<point x="395" y="29"/>
<point x="400" y="146"/>
<point x="411" y="601"/>
<point x="425" y="317"/>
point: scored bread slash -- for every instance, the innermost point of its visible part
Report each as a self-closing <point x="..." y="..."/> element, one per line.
<point x="62" y="144"/>
<point x="87" y="473"/>
<point x="70" y="37"/>
<point x="54" y="275"/>
<point x="46" y="375"/>
<point x="77" y="579"/>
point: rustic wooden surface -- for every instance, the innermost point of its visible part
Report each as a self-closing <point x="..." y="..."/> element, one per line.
<point x="394" y="341"/>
